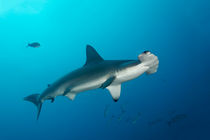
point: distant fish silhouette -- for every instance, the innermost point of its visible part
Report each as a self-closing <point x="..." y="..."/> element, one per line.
<point x="133" y="120"/>
<point x="122" y="109"/>
<point x="119" y="118"/>
<point x="128" y="120"/>
<point x="136" y="118"/>
<point x="106" y="110"/>
<point x="154" y="122"/>
<point x="122" y="112"/>
<point x="33" y="45"/>
<point x="172" y="112"/>
<point x="113" y="116"/>
<point x="176" y="118"/>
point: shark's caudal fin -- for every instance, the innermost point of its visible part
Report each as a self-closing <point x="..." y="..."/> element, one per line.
<point x="34" y="98"/>
<point x="149" y="60"/>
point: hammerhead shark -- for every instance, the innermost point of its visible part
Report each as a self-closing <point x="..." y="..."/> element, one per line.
<point x="97" y="73"/>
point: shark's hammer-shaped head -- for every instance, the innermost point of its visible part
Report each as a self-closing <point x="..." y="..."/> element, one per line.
<point x="149" y="60"/>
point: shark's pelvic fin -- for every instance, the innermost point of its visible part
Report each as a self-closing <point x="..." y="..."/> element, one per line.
<point x="92" y="55"/>
<point x="115" y="91"/>
<point x="35" y="99"/>
<point x="107" y="82"/>
<point x="71" y="96"/>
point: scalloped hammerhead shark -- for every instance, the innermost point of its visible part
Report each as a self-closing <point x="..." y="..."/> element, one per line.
<point x="97" y="73"/>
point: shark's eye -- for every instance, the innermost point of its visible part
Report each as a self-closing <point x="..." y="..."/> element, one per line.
<point x="146" y="52"/>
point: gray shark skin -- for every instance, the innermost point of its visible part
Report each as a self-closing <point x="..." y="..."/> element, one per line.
<point x="97" y="73"/>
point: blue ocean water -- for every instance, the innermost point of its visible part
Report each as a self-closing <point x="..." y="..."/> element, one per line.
<point x="178" y="32"/>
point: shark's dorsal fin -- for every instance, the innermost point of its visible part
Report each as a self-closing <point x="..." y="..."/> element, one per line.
<point x="92" y="55"/>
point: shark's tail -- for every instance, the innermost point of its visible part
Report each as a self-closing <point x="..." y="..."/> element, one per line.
<point x="149" y="60"/>
<point x="35" y="99"/>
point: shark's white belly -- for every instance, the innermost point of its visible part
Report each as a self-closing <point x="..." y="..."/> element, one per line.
<point x="93" y="84"/>
<point x="130" y="73"/>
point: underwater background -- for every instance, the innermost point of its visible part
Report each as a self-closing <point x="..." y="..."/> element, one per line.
<point x="172" y="104"/>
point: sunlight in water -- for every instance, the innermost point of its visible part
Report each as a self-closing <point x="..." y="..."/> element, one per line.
<point x="21" y="6"/>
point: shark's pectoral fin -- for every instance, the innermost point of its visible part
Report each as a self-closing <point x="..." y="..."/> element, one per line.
<point x="52" y="100"/>
<point x="71" y="96"/>
<point x="67" y="91"/>
<point x="107" y="82"/>
<point x="115" y="91"/>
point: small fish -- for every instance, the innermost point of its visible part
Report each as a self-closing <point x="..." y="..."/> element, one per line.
<point x="106" y="110"/>
<point x="34" y="45"/>
<point x="151" y="123"/>
<point x="172" y="112"/>
<point x="176" y="118"/>
<point x="119" y="118"/>
<point x="128" y="120"/>
<point x="136" y="118"/>
<point x="123" y="111"/>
